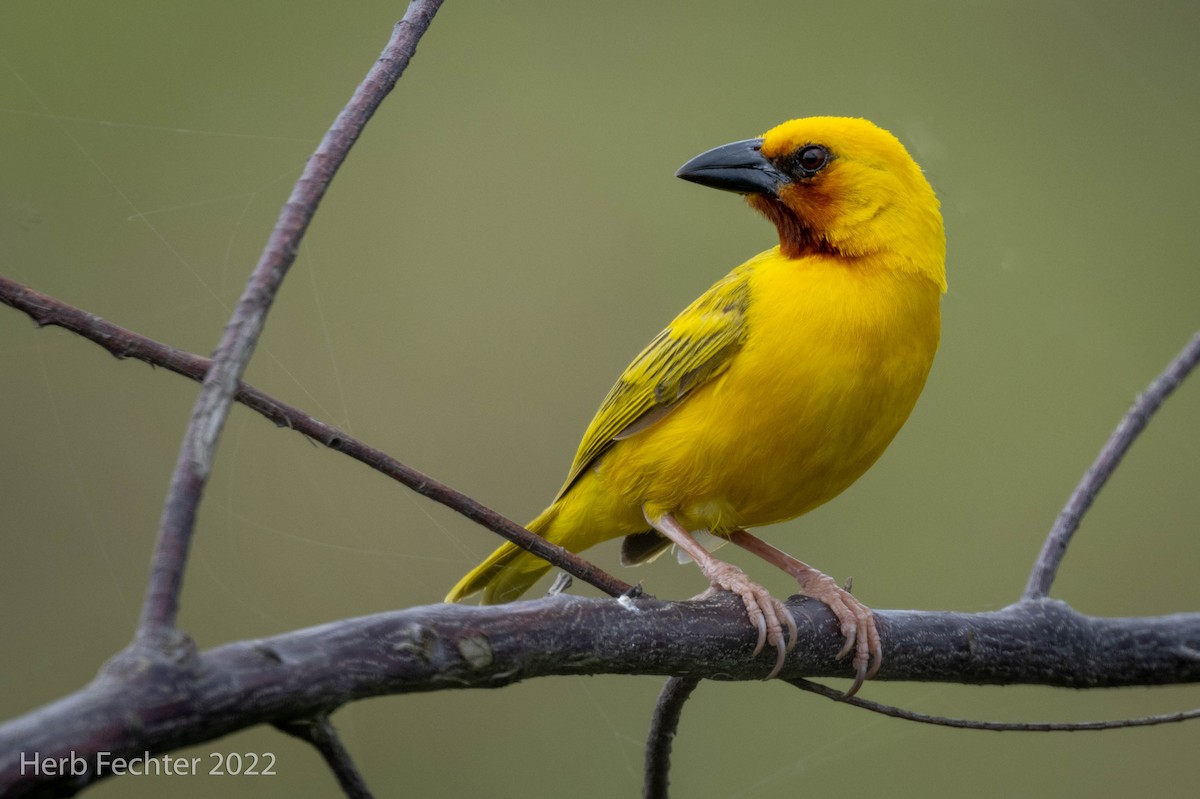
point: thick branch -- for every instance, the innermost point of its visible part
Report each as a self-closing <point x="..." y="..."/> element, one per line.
<point x="138" y="706"/>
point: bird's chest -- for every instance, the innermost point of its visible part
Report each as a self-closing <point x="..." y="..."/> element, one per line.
<point x="831" y="368"/>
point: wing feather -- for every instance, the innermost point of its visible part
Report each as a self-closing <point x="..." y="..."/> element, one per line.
<point x="696" y="347"/>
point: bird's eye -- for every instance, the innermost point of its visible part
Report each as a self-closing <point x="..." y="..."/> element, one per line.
<point x="812" y="159"/>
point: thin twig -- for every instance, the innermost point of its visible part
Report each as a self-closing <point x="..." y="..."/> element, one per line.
<point x="1045" y="568"/>
<point x="321" y="734"/>
<point x="994" y="726"/>
<point x="122" y="343"/>
<point x="663" y="726"/>
<point x="161" y="604"/>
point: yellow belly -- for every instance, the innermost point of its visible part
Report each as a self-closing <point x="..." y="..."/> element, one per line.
<point x="833" y="363"/>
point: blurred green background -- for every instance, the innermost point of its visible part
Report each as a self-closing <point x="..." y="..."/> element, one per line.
<point x="505" y="236"/>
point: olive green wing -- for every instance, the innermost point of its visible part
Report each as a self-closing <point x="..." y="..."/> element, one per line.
<point x="696" y="347"/>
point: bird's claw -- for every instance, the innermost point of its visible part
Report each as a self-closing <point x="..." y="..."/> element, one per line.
<point x="856" y="622"/>
<point x="766" y="612"/>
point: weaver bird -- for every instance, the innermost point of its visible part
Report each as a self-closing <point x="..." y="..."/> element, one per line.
<point x="777" y="388"/>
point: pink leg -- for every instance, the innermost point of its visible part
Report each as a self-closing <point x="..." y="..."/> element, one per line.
<point x="764" y="610"/>
<point x="855" y="619"/>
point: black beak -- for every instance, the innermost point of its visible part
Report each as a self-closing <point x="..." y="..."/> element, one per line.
<point x="739" y="167"/>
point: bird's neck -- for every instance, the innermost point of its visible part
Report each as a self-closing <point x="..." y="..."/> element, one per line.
<point x="922" y="250"/>
<point x="796" y="240"/>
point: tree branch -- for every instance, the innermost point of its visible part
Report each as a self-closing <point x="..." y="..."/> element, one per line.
<point x="1045" y="568"/>
<point x="161" y="604"/>
<point x="993" y="726"/>
<point x="143" y="703"/>
<point x="1035" y="641"/>
<point x="122" y="343"/>
<point x="320" y="733"/>
<point x="135" y="706"/>
<point x="663" y="726"/>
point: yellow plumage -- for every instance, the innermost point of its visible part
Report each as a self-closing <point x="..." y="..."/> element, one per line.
<point x="787" y="379"/>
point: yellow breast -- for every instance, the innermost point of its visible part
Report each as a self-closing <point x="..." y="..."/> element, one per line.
<point x="835" y="356"/>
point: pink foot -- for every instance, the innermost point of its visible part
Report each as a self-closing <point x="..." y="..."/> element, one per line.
<point x="765" y="611"/>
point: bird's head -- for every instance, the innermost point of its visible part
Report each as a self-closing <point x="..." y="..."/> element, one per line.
<point x="834" y="185"/>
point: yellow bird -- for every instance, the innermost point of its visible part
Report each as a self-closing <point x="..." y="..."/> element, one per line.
<point x="777" y="388"/>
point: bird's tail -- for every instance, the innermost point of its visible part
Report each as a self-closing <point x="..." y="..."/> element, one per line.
<point x="508" y="572"/>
